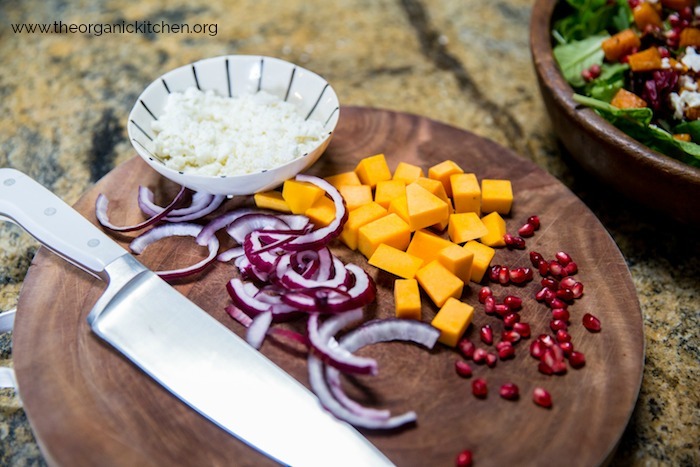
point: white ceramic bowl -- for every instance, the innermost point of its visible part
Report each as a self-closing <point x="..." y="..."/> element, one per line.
<point x="233" y="76"/>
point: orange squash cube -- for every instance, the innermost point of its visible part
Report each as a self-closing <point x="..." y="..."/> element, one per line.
<point x="407" y="303"/>
<point x="620" y="44"/>
<point x="482" y="258"/>
<point x="407" y="173"/>
<point x="424" y="208"/>
<point x="390" y="229"/>
<point x="426" y="245"/>
<point x="373" y="169"/>
<point x="300" y="196"/>
<point x="322" y="212"/>
<point x="466" y="192"/>
<point x="496" y="195"/>
<point x="458" y="261"/>
<point x="395" y="261"/>
<point x="387" y="190"/>
<point x="496" y="227"/>
<point x="465" y="226"/>
<point x="452" y="320"/>
<point x="439" y="283"/>
<point x="442" y="173"/>
<point x="356" y="219"/>
<point x="355" y="195"/>
<point x="344" y="178"/>
<point x="271" y="200"/>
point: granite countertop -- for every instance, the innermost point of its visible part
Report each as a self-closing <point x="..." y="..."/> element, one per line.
<point x="65" y="97"/>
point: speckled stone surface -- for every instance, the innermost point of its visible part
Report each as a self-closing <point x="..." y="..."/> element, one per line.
<point x="64" y="100"/>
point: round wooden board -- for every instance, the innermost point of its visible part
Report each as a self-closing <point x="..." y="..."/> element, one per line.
<point x="89" y="406"/>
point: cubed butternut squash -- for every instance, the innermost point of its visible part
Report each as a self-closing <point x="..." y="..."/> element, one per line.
<point x="395" y="261"/>
<point x="356" y="219"/>
<point x="646" y="60"/>
<point x="458" y="261"/>
<point x="466" y="192"/>
<point x="300" y="196"/>
<point x="690" y="37"/>
<point x="426" y="245"/>
<point x="407" y="173"/>
<point x="624" y="99"/>
<point x="373" y="169"/>
<point x="424" y="208"/>
<point x="496" y="195"/>
<point x="452" y="320"/>
<point x="482" y="258"/>
<point x="620" y="44"/>
<point x="496" y="227"/>
<point x="390" y="229"/>
<point x="439" y="283"/>
<point x="407" y="303"/>
<point x="356" y="195"/>
<point x="322" y="212"/>
<point x="387" y="190"/>
<point x="438" y="189"/>
<point x="465" y="226"/>
<point x="645" y="15"/>
<point x="442" y="173"/>
<point x="271" y="200"/>
<point x="344" y="178"/>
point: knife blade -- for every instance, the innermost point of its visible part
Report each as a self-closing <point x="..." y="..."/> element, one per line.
<point x="182" y="347"/>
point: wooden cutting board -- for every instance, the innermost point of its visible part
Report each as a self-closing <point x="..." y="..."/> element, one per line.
<point x="89" y="406"/>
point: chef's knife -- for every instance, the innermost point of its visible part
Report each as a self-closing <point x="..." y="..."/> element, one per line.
<point x="182" y="347"/>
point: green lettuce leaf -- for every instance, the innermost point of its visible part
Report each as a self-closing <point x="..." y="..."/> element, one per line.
<point x="575" y="57"/>
<point x="611" y="79"/>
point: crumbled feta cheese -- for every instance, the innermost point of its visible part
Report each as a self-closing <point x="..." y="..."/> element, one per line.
<point x="691" y="59"/>
<point x="683" y="101"/>
<point x="665" y="63"/>
<point x="687" y="82"/>
<point x="204" y="133"/>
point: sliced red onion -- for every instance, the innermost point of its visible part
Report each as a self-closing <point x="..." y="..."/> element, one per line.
<point x="202" y="204"/>
<point x="139" y="244"/>
<point x="239" y="315"/>
<point x="245" y="295"/>
<point x="335" y="385"/>
<point x="321" y="237"/>
<point x="258" y="329"/>
<point x="230" y="254"/>
<point x="251" y="222"/>
<point x="219" y="223"/>
<point x="102" y="205"/>
<point x="296" y="221"/>
<point x="293" y="280"/>
<point x="322" y="342"/>
<point x="390" y="329"/>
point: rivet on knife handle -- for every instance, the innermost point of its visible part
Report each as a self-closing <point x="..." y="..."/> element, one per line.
<point x="55" y="224"/>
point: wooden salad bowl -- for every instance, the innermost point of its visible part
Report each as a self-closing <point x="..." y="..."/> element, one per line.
<point x="654" y="180"/>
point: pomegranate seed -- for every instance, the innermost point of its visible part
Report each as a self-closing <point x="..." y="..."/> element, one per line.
<point x="591" y="323"/>
<point x="687" y="13"/>
<point x="577" y="359"/>
<point x="577" y="290"/>
<point x="535" y="258"/>
<point x="544" y="368"/>
<point x="542" y="397"/>
<point x="464" y="459"/>
<point x="483" y="293"/>
<point x="674" y="20"/>
<point x="520" y="275"/>
<point x="567" y="348"/>
<point x="555" y="302"/>
<point x="557" y="325"/>
<point x="479" y="356"/>
<point x="510" y="336"/>
<point x="546" y="339"/>
<point x="664" y="52"/>
<point x="537" y="349"/>
<point x="522" y="328"/>
<point x="541" y="294"/>
<point x="502" y="310"/>
<point x="562" y="257"/>
<point x="527" y="230"/>
<point x="503" y="275"/>
<point x="493" y="272"/>
<point x="557" y="269"/>
<point x="509" y="391"/>
<point x="510" y="320"/>
<point x="489" y="305"/>
<point x="543" y="267"/>
<point x="561" y="314"/>
<point x="565" y="294"/>
<point x="534" y="221"/>
<point x="571" y="269"/>
<point x="466" y="348"/>
<point x="594" y="70"/>
<point x="586" y="75"/>
<point x="491" y="359"/>
<point x="505" y="350"/>
<point x="563" y="336"/>
<point x="486" y="334"/>
<point x="479" y="388"/>
<point x="554" y="358"/>
<point x="463" y="369"/>
<point x="513" y="302"/>
<point x="567" y="282"/>
<point x="549" y="283"/>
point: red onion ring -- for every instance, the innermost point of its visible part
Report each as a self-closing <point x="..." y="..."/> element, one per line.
<point x="258" y="329"/>
<point x="139" y="244"/>
<point x="202" y="204"/>
<point x="219" y="223"/>
<point x="102" y="206"/>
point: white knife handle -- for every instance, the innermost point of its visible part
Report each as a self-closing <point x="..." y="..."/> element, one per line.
<point x="54" y="223"/>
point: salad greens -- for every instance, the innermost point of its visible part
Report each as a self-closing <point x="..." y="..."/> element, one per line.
<point x="578" y="36"/>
